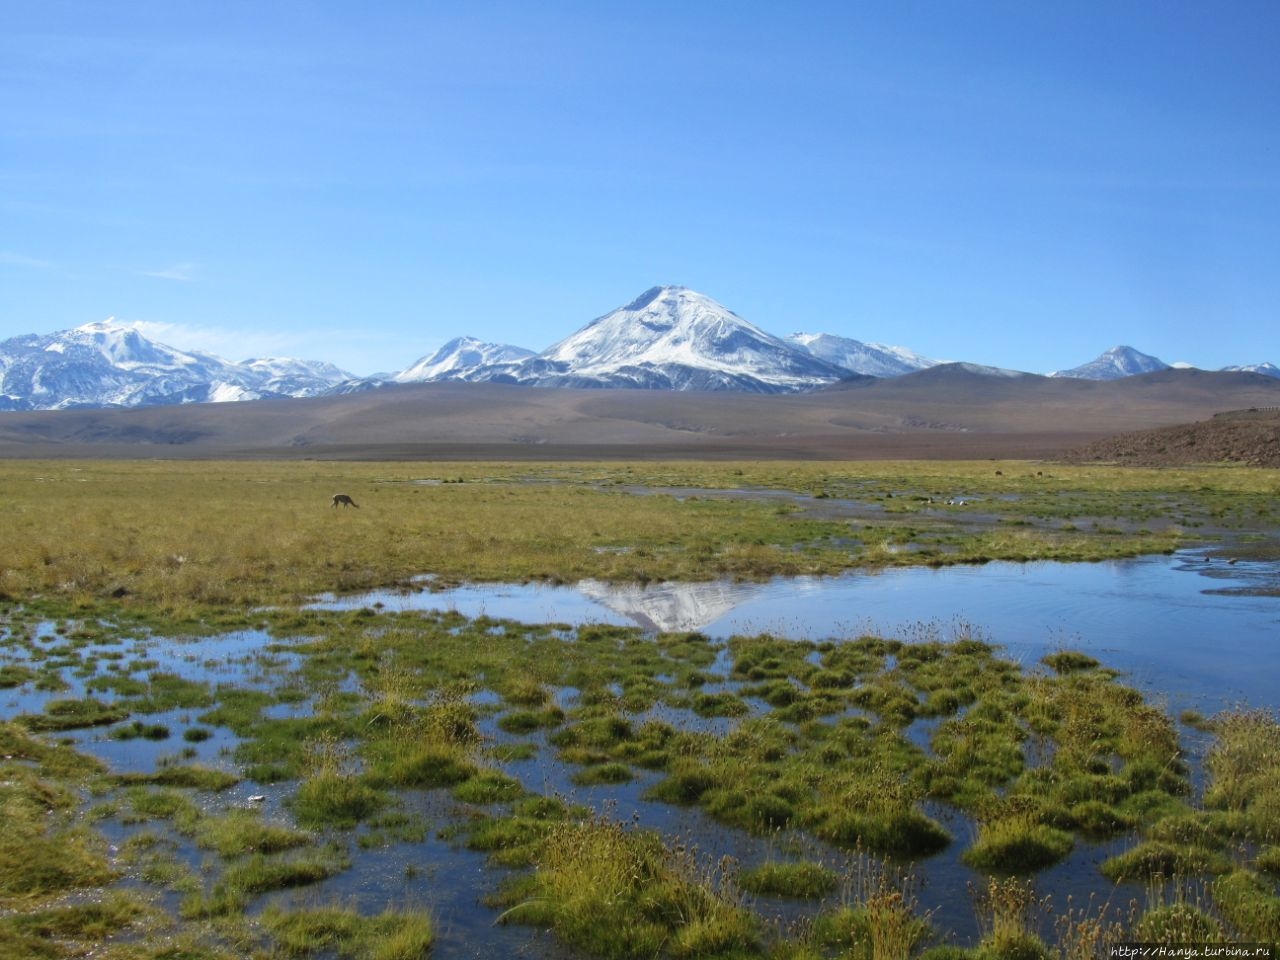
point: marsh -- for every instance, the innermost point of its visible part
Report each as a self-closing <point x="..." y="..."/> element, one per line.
<point x="834" y="726"/>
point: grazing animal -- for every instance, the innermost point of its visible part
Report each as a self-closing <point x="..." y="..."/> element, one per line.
<point x="343" y="500"/>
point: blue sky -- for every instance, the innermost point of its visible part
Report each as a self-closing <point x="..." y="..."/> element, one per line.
<point x="1017" y="183"/>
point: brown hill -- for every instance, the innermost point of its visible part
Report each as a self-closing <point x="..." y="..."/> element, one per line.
<point x="948" y="412"/>
<point x="1242" y="436"/>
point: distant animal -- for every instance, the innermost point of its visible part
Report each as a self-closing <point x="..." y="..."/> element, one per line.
<point x="341" y="499"/>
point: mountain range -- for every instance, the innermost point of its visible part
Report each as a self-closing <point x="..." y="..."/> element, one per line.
<point x="948" y="411"/>
<point x="105" y="364"/>
<point x="669" y="338"/>
<point x="1127" y="362"/>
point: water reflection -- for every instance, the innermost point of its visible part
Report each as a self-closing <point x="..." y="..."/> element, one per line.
<point x="1203" y="633"/>
<point x="671" y="607"/>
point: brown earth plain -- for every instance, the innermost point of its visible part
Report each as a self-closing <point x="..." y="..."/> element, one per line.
<point x="948" y="412"/>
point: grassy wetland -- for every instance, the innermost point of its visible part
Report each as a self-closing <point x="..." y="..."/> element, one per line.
<point x="198" y="764"/>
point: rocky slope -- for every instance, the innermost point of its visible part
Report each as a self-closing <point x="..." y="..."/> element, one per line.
<point x="1249" y="437"/>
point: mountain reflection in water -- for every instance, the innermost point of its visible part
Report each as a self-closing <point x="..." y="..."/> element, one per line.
<point x="1161" y="619"/>
<point x="671" y="607"/>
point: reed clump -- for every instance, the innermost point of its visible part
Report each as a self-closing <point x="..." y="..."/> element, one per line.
<point x="60" y="715"/>
<point x="1152" y="859"/>
<point x="880" y="917"/>
<point x="803" y="880"/>
<point x="1250" y="903"/>
<point x="1244" y="771"/>
<point x="616" y="891"/>
<point x="74" y="929"/>
<point x="392" y="935"/>
<point x="1013" y="840"/>
<point x="423" y="746"/>
<point x="1011" y="914"/>
<point x="43" y="850"/>
<point x="258" y="874"/>
<point x="333" y="794"/>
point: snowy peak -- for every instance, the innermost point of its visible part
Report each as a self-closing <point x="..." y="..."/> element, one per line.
<point x="677" y="334"/>
<point x="869" y="359"/>
<point x="460" y="358"/>
<point x="281" y="367"/>
<point x="122" y="346"/>
<point x="1115" y="363"/>
<point x="662" y="325"/>
<point x="1266" y="369"/>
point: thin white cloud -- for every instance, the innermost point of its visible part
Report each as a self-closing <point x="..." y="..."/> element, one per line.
<point x="226" y="342"/>
<point x="238" y="345"/>
<point x="181" y="272"/>
<point x="9" y="258"/>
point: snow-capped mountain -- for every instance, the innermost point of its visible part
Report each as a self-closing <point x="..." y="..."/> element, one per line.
<point x="1266" y="369"/>
<point x="869" y="359"/>
<point x="1115" y="363"/>
<point x="458" y="358"/>
<point x="1120" y="362"/>
<point x="288" y="377"/>
<point x="668" y="338"/>
<point x="682" y="339"/>
<point x="107" y="364"/>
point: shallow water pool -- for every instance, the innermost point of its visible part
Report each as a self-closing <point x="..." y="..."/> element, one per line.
<point x="1203" y="633"/>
